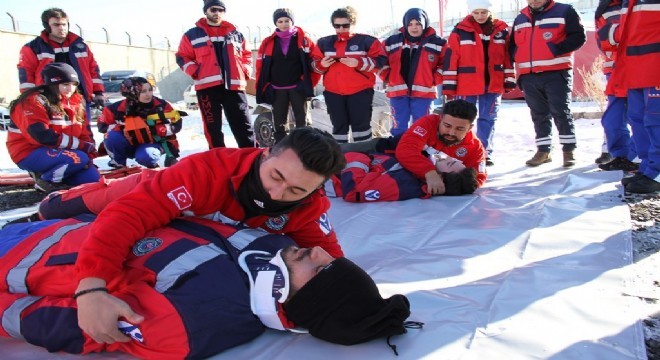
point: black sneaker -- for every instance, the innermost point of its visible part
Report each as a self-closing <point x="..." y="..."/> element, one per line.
<point x="627" y="180"/>
<point x="489" y="162"/>
<point x="643" y="185"/>
<point x="113" y="164"/>
<point x="619" y="163"/>
<point x="603" y="158"/>
<point x="49" y="187"/>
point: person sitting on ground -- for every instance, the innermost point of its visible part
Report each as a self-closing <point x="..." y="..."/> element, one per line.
<point x="141" y="126"/>
<point x="49" y="135"/>
<point x="449" y="133"/>
<point x="175" y="286"/>
<point x="380" y="177"/>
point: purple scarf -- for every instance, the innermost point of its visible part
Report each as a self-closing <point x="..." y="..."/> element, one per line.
<point x="285" y="38"/>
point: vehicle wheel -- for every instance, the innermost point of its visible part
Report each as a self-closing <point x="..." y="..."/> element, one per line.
<point x="264" y="130"/>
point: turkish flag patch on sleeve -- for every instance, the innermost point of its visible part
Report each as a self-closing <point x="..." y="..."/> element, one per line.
<point x="180" y="197"/>
<point x="419" y="131"/>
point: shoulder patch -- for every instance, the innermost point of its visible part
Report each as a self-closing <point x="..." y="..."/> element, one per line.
<point x="418" y="130"/>
<point x="146" y="245"/>
<point x="277" y="223"/>
<point x="180" y="197"/>
<point x="372" y="195"/>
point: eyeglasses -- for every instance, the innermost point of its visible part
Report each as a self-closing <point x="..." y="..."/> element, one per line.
<point x="337" y="26"/>
<point x="215" y="10"/>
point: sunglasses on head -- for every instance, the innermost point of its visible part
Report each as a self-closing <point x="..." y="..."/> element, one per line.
<point x="215" y="10"/>
<point x="337" y="26"/>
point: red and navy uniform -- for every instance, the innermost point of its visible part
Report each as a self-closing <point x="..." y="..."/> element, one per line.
<point x="635" y="76"/>
<point x="464" y="71"/>
<point x="422" y="139"/>
<point x="42" y="51"/>
<point x="36" y="124"/>
<point x="309" y="78"/>
<point x="345" y="80"/>
<point x="545" y="41"/>
<point x="608" y="19"/>
<point x="184" y="189"/>
<point x="427" y="65"/>
<point x="197" y="56"/>
<point x="184" y="279"/>
<point x="378" y="177"/>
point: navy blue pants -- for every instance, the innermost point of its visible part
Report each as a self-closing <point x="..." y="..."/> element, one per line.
<point x="548" y="95"/>
<point x="350" y="112"/>
<point x="211" y="103"/>
<point x="71" y="167"/>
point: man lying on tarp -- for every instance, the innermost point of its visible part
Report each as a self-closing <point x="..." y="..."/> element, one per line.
<point x="438" y="155"/>
<point x="189" y="290"/>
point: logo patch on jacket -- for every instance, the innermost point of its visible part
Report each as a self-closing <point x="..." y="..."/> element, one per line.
<point x="372" y="195"/>
<point x="547" y="35"/>
<point x="131" y="330"/>
<point x="431" y="57"/>
<point x="324" y="224"/>
<point x="277" y="223"/>
<point x="419" y="131"/>
<point x="146" y="245"/>
<point x="461" y="152"/>
<point x="180" y="197"/>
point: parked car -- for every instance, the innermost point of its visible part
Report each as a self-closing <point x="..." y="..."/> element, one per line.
<point x="190" y="98"/>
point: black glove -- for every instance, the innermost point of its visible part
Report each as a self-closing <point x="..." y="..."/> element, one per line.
<point x="98" y="100"/>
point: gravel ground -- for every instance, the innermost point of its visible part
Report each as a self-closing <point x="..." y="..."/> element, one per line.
<point x="645" y="282"/>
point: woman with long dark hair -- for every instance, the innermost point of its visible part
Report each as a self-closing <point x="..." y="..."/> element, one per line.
<point x="49" y="135"/>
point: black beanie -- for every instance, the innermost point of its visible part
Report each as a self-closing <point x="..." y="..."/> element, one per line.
<point x="59" y="73"/>
<point x="131" y="87"/>
<point x="279" y="13"/>
<point x="342" y="305"/>
<point x="209" y="3"/>
<point x="415" y="14"/>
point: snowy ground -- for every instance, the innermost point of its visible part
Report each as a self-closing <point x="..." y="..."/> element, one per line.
<point x="514" y="144"/>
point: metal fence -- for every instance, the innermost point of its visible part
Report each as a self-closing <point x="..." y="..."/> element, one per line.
<point x="100" y="34"/>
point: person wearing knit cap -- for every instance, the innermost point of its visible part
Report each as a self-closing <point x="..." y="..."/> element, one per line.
<point x="349" y="63"/>
<point x="415" y="56"/>
<point x="141" y="126"/>
<point x="478" y="67"/>
<point x="220" y="65"/>
<point x="56" y="44"/>
<point x="49" y="135"/>
<point x="238" y="282"/>
<point x="285" y="78"/>
<point x="544" y="37"/>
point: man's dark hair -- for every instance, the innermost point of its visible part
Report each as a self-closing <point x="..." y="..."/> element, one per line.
<point x="318" y="151"/>
<point x="345" y="12"/>
<point x="461" y="109"/>
<point x="52" y="13"/>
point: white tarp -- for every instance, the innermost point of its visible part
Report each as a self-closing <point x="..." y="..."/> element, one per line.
<point x="533" y="266"/>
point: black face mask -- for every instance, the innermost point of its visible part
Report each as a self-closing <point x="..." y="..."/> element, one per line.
<point x="256" y="200"/>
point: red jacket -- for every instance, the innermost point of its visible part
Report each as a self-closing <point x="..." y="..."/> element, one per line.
<point x="427" y="65"/>
<point x="41" y="51"/>
<point x="545" y="41"/>
<point x="638" y="54"/>
<point x="202" y="184"/>
<point x="464" y="60"/>
<point x="423" y="134"/>
<point x="344" y="80"/>
<point x="197" y="56"/>
<point x="34" y="126"/>
<point x="608" y="19"/>
<point x="309" y="78"/>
